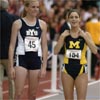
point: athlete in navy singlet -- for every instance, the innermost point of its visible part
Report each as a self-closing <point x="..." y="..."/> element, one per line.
<point x="30" y="50"/>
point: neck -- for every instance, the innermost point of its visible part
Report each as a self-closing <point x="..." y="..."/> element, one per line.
<point x="75" y="30"/>
<point x="31" y="19"/>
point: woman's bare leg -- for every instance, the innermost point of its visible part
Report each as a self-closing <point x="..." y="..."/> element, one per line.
<point x="68" y="86"/>
<point x="20" y="78"/>
<point x="81" y="86"/>
<point x="33" y="83"/>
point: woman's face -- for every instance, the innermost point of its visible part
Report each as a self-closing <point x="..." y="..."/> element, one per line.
<point x="33" y="9"/>
<point x="74" y="19"/>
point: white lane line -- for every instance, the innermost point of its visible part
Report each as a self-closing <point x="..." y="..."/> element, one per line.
<point x="26" y="86"/>
<point x="52" y="95"/>
<point x="91" y="83"/>
<point x="48" y="96"/>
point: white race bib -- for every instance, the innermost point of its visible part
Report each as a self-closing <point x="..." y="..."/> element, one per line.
<point x="31" y="44"/>
<point x="73" y="54"/>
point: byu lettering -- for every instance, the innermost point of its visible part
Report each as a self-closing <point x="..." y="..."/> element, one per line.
<point x="31" y="32"/>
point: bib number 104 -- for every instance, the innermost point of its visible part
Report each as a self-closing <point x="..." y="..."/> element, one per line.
<point x="73" y="54"/>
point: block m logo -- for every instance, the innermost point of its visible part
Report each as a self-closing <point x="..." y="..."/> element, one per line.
<point x="76" y="44"/>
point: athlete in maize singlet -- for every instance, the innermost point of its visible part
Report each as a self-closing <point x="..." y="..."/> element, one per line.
<point x="74" y="71"/>
<point x="75" y="56"/>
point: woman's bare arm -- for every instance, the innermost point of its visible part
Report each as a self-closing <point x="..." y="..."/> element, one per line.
<point x="44" y="42"/>
<point x="15" y="27"/>
<point x="60" y="42"/>
<point x="89" y="41"/>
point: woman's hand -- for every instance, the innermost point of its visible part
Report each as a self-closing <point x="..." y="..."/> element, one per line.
<point x="42" y="72"/>
<point x="12" y="73"/>
<point x="60" y="42"/>
<point x="88" y="39"/>
<point x="65" y="33"/>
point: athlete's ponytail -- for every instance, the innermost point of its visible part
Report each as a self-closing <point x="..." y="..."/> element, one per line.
<point x="23" y="13"/>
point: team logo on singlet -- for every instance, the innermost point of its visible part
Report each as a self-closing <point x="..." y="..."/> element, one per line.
<point x="31" y="32"/>
<point x="72" y="53"/>
<point x="31" y="41"/>
<point x="76" y="44"/>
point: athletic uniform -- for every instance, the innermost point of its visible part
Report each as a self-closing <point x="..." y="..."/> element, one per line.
<point x="74" y="58"/>
<point x="28" y="50"/>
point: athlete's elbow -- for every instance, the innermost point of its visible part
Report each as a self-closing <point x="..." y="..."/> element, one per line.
<point x="94" y="50"/>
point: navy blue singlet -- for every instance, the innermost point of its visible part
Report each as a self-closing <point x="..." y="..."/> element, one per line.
<point x="28" y="50"/>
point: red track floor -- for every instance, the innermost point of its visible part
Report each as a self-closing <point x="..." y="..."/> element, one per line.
<point x="44" y="84"/>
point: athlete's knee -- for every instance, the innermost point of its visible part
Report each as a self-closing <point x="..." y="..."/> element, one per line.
<point x="80" y="97"/>
<point x="18" y="95"/>
<point x="32" y="95"/>
<point x="69" y="97"/>
<point x="66" y="98"/>
<point x="33" y="98"/>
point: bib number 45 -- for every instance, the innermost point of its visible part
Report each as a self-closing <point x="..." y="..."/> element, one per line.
<point x="31" y="44"/>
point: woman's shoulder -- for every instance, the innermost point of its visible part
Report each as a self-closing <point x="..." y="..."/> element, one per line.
<point x="17" y="23"/>
<point x="87" y="34"/>
<point x="42" y="23"/>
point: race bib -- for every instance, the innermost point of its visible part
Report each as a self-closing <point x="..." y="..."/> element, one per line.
<point x="73" y="54"/>
<point x="31" y="44"/>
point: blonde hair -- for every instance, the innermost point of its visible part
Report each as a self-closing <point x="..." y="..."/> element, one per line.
<point x="26" y="4"/>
